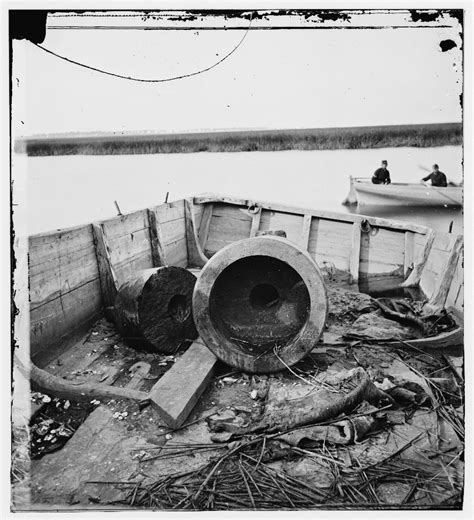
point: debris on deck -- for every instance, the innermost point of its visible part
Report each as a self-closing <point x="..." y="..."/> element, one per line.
<point x="357" y="421"/>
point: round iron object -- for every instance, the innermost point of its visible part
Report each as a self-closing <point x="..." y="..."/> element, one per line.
<point x="260" y="304"/>
<point x="153" y="309"/>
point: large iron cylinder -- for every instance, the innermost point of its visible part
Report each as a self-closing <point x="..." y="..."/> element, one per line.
<point x="153" y="309"/>
<point x="260" y="304"/>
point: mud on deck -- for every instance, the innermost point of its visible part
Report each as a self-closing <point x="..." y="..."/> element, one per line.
<point x="112" y="453"/>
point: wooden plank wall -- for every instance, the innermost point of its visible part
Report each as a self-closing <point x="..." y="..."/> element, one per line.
<point x="173" y="232"/>
<point x="436" y="267"/>
<point x="332" y="243"/>
<point x="436" y="262"/>
<point x="65" y="293"/>
<point x="455" y="296"/>
<point x="64" y="280"/>
<point x="228" y="224"/>
<point x="382" y="252"/>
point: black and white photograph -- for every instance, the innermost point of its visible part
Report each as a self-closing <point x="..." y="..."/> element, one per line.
<point x="237" y="257"/>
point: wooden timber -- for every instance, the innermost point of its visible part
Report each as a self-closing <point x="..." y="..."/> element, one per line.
<point x="108" y="278"/>
<point x="196" y="256"/>
<point x="176" y="393"/>
<point x="156" y="240"/>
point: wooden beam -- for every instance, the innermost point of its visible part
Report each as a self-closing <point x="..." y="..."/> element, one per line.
<point x="206" y="217"/>
<point x="409" y="253"/>
<point x="108" y="279"/>
<point x="438" y="299"/>
<point x="196" y="256"/>
<point x="415" y="276"/>
<point x="354" y="260"/>
<point x="255" y="223"/>
<point x="177" y="392"/>
<point x="328" y="215"/>
<point x="156" y="242"/>
<point x="305" y="231"/>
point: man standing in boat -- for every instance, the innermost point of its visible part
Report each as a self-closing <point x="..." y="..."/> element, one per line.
<point x="381" y="175"/>
<point x="438" y="178"/>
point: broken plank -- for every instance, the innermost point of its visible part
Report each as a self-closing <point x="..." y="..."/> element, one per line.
<point x="177" y="392"/>
<point x="156" y="241"/>
<point x="355" y="253"/>
<point x="204" y="225"/>
<point x="255" y="223"/>
<point x="415" y="276"/>
<point x="305" y="231"/>
<point x="438" y="300"/>
<point x="108" y="279"/>
<point x="196" y="256"/>
<point x="409" y="253"/>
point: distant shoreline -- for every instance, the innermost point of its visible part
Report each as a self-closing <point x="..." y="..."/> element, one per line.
<point x="421" y="136"/>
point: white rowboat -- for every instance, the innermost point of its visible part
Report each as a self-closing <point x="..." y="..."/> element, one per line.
<point x="363" y="192"/>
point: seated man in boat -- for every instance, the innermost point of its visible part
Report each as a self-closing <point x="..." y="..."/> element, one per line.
<point x="381" y="175"/>
<point x="438" y="178"/>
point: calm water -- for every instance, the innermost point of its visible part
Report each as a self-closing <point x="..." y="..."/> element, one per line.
<point x="64" y="191"/>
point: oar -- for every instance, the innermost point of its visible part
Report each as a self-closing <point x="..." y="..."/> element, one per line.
<point x="422" y="167"/>
<point x="440" y="191"/>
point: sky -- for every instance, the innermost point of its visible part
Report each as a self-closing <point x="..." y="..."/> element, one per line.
<point x="275" y="79"/>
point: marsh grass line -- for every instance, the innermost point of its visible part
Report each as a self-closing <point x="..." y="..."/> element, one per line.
<point x="419" y="136"/>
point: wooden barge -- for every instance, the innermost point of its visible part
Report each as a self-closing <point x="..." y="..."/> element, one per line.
<point x="73" y="274"/>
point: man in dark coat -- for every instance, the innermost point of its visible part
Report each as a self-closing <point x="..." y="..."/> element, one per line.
<point x="381" y="175"/>
<point x="438" y="178"/>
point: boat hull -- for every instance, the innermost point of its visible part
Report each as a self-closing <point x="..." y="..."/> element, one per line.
<point x="365" y="193"/>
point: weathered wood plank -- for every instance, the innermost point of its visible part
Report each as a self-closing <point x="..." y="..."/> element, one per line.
<point x="197" y="210"/>
<point x="438" y="299"/>
<point x="60" y="276"/>
<point x="409" y="253"/>
<point x="374" y="262"/>
<point x="414" y="279"/>
<point x="196" y="257"/>
<point x="331" y="241"/>
<point x="227" y="211"/>
<point x="214" y="245"/>
<point x="125" y="224"/>
<point x="177" y="253"/>
<point x="456" y="283"/>
<point x="173" y="230"/>
<point x="444" y="241"/>
<point x="127" y="268"/>
<point x="355" y="253"/>
<point x="205" y="223"/>
<point x="384" y="247"/>
<point x="178" y="391"/>
<point x="227" y="229"/>
<point x="433" y="271"/>
<point x="305" y="232"/>
<point x="345" y="217"/>
<point x="170" y="211"/>
<point x="58" y="319"/>
<point x="128" y="246"/>
<point x="108" y="278"/>
<point x="459" y="303"/>
<point x="289" y="223"/>
<point x="158" y="256"/>
<point x="44" y="248"/>
<point x="255" y="223"/>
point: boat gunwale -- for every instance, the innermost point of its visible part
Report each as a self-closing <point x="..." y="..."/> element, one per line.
<point x="393" y="224"/>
